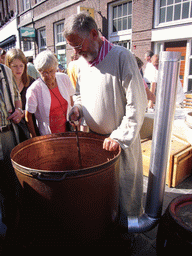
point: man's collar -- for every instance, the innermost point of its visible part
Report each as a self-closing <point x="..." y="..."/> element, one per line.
<point x="104" y="50"/>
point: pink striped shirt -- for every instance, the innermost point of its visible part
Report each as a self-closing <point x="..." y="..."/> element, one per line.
<point x="105" y="48"/>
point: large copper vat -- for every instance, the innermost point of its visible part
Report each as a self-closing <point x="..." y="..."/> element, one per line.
<point x="82" y="202"/>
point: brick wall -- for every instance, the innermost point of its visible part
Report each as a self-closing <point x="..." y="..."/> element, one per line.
<point x="141" y="27"/>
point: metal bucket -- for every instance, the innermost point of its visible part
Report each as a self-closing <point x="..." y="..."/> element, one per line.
<point x="82" y="203"/>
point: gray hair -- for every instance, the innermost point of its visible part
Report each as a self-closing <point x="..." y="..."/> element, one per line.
<point x="81" y="24"/>
<point x="45" y="60"/>
<point x="149" y="53"/>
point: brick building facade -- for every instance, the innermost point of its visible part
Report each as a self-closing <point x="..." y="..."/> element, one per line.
<point x="138" y="25"/>
<point x="45" y="16"/>
<point x="49" y="24"/>
<point x="142" y="26"/>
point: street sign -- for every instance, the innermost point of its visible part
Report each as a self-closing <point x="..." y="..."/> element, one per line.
<point x="27" y="34"/>
<point x="89" y="10"/>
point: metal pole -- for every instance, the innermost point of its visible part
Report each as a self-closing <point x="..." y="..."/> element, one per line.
<point x="169" y="65"/>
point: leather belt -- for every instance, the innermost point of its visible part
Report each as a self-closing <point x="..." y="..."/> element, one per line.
<point x="5" y="128"/>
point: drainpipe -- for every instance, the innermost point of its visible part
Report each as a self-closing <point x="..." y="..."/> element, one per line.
<point x="169" y="65"/>
<point x="17" y="17"/>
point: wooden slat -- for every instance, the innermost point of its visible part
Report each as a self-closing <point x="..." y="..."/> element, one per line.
<point x="188" y="96"/>
<point x="180" y="157"/>
<point x="187" y="102"/>
<point x="182" y="166"/>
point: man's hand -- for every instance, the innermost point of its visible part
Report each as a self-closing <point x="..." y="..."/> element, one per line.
<point x="150" y="104"/>
<point x="16" y="116"/>
<point x="110" y="144"/>
<point x="74" y="114"/>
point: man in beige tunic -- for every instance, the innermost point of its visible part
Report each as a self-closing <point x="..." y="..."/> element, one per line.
<point x="111" y="97"/>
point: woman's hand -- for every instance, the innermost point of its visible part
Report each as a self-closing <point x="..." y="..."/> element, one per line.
<point x="30" y="124"/>
<point x="16" y="116"/>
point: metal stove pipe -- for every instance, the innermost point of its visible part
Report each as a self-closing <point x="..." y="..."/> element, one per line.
<point x="169" y="65"/>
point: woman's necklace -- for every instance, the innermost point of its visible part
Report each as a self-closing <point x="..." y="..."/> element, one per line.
<point x="58" y="100"/>
<point x="52" y="85"/>
<point x="55" y="95"/>
<point x="20" y="85"/>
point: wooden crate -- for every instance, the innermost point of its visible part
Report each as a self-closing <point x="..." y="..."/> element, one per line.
<point x="180" y="161"/>
<point x="147" y="127"/>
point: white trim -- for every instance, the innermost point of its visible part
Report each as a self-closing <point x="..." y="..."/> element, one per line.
<point x="187" y="63"/>
<point x="63" y="51"/>
<point x="29" y="53"/>
<point x="172" y="33"/>
<point x="60" y="44"/>
<point x="169" y="23"/>
<point x="120" y="36"/>
<point x="174" y="23"/>
<point x="160" y="46"/>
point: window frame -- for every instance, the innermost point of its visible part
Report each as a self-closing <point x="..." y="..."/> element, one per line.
<point x="56" y="34"/>
<point x="60" y="47"/>
<point x="122" y="35"/>
<point x="180" y="21"/>
<point x="189" y="76"/>
<point x="40" y="46"/>
<point x="27" y="45"/>
<point x="121" y="17"/>
<point x="26" y="5"/>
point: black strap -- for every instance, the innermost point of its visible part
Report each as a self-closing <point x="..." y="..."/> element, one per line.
<point x="1" y="90"/>
<point x="7" y="85"/>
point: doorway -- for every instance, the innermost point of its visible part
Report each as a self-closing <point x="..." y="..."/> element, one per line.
<point x="179" y="46"/>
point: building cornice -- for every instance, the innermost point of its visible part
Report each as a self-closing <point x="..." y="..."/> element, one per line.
<point x="56" y="9"/>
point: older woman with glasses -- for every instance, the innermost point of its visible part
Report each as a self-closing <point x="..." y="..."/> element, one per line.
<point x="49" y="97"/>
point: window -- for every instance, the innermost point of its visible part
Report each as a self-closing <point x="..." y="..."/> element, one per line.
<point x="26" y="4"/>
<point x="60" y="44"/>
<point x="175" y="10"/>
<point x="122" y="16"/>
<point x="42" y="39"/>
<point x="124" y="43"/>
<point x="59" y="31"/>
<point x="27" y="46"/>
<point x="120" y="22"/>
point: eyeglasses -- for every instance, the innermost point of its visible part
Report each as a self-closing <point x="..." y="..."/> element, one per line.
<point x="79" y="47"/>
<point x="47" y="73"/>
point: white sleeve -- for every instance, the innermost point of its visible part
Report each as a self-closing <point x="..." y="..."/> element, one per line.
<point x="31" y="100"/>
<point x="136" y="104"/>
<point x="70" y="86"/>
<point x="180" y="94"/>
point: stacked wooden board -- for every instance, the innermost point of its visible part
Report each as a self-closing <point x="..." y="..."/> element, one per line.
<point x="180" y="160"/>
